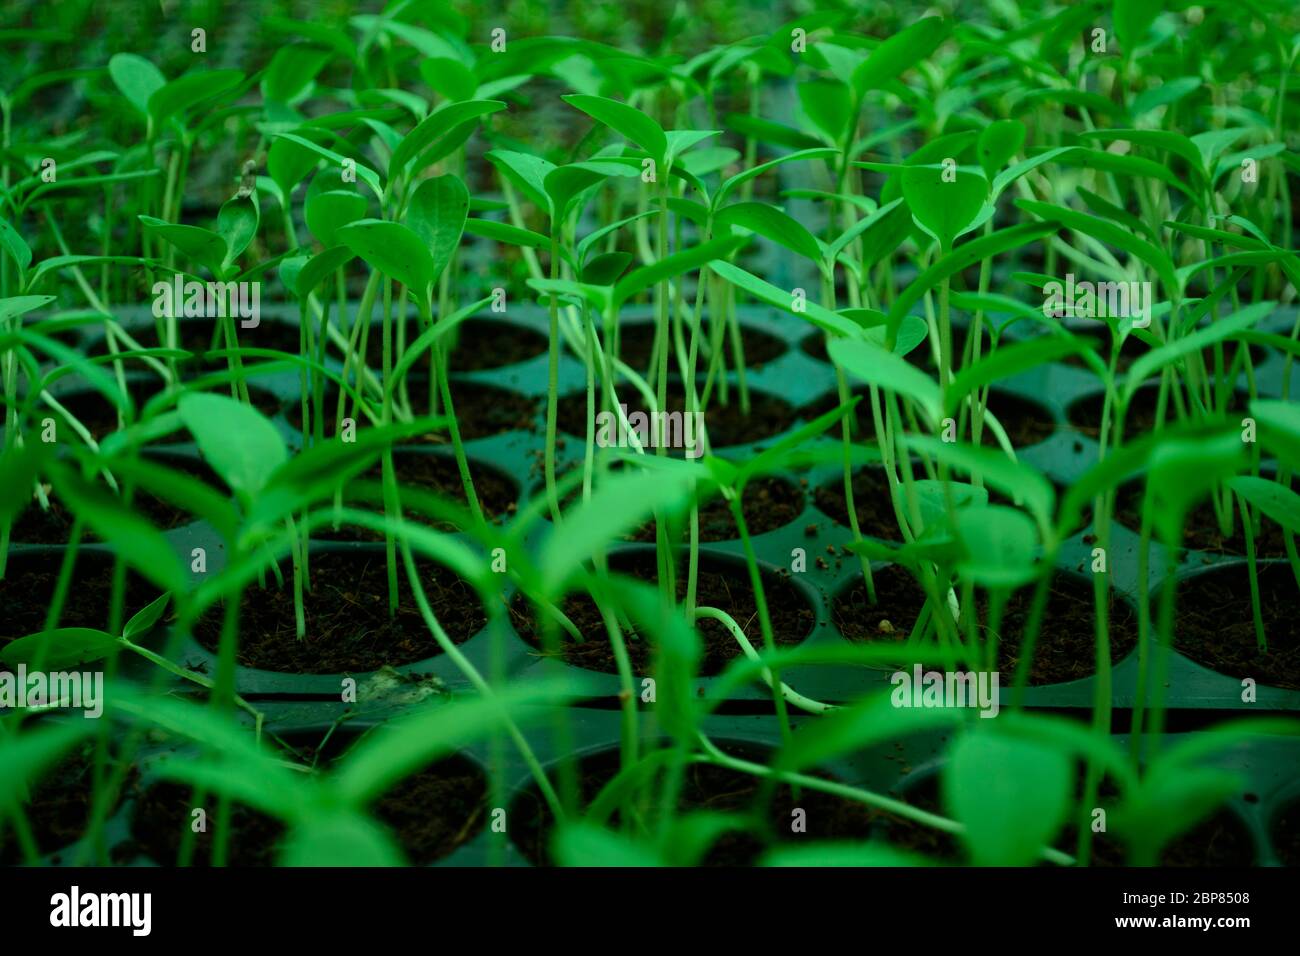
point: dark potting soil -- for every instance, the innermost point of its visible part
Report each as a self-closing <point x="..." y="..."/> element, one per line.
<point x="768" y="504"/>
<point x="1201" y="530"/>
<point x="727" y="425"/>
<point x="98" y="415"/>
<point x="436" y="810"/>
<point x="1215" y="626"/>
<point x="348" y="628"/>
<point x="480" y="344"/>
<point x="1140" y="419"/>
<point x="431" y="813"/>
<point x="1285" y="835"/>
<point x="61" y="804"/>
<point x="1026" y="422"/>
<point x="1065" y="648"/>
<point x="636" y="343"/>
<point x="712" y="788"/>
<point x="870" y="501"/>
<point x="53" y="525"/>
<point x="197" y="337"/>
<point x="481" y="410"/>
<point x="864" y="425"/>
<point x="437" y="473"/>
<point x="27" y="590"/>
<point x="720" y="585"/>
<point x="164" y="812"/>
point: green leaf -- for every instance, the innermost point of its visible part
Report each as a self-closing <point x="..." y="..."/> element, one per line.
<point x="395" y="250"/>
<point x="318" y="268"/>
<point x="136" y="78"/>
<point x="292" y="70"/>
<point x="1132" y="20"/>
<point x="1108" y="232"/>
<point x="288" y="162"/>
<point x="237" y="441"/>
<point x="828" y="106"/>
<point x="437" y="214"/>
<point x="1015" y="479"/>
<point x="627" y="121"/>
<point x="527" y="173"/>
<point x="189" y="91"/>
<point x="899" y="53"/>
<point x="1001" y="544"/>
<point x="875" y="366"/>
<point x="998" y="143"/>
<point x="134" y="540"/>
<point x="587" y="845"/>
<point x="339" y="838"/>
<point x="328" y="212"/>
<point x="945" y="208"/>
<point x="364" y="172"/>
<point x="237" y="223"/>
<point x="1011" y="794"/>
<point x="740" y="178"/>
<point x="773" y="224"/>
<point x="566" y="185"/>
<point x="764" y="291"/>
<point x="1273" y="499"/>
<point x="142" y="621"/>
<point x="15" y="245"/>
<point x="674" y="265"/>
<point x="871" y="720"/>
<point x="203" y="246"/>
<point x="614" y="509"/>
<point x="438" y="124"/>
<point x="63" y="648"/>
<point x="1279" y="428"/>
<point x="1157" y="358"/>
<point x="504" y="232"/>
<point x="605" y="269"/>
<point x="961" y="258"/>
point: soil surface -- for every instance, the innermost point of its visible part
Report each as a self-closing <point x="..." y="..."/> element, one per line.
<point x="497" y="494"/>
<point x="768" y="503"/>
<point x="1026" y="422"/>
<point x="98" y="415"/>
<point x="348" y="628"/>
<point x="28" y="587"/>
<point x="1064" y="651"/>
<point x="431" y="813"/>
<point x="481" y="410"/>
<point x="53" y="525"/>
<point x="720" y="585"/>
<point x="61" y="804"/>
<point x="1202" y="531"/>
<point x="164" y="811"/>
<point x="712" y="788"/>
<point x="727" y="425"/>
<point x="870" y="500"/>
<point x="636" y="343"/>
<point x="480" y="344"/>
<point x="1215" y="626"/>
<point x="1140" y="419"/>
